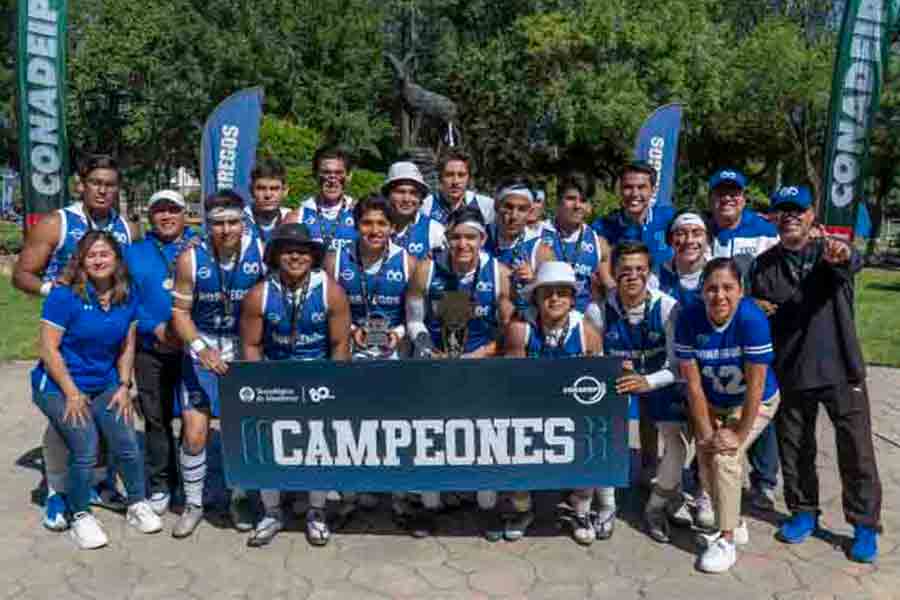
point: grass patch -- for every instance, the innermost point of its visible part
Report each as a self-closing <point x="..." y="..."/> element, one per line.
<point x="21" y="315"/>
<point x="878" y="315"/>
<point x="877" y="318"/>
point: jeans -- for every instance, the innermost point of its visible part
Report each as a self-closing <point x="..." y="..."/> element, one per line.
<point x="158" y="375"/>
<point x="84" y="440"/>
<point x="763" y="459"/>
<point x="847" y="406"/>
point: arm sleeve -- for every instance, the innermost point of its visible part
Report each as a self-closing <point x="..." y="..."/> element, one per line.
<point x="436" y="234"/>
<point x="667" y="374"/>
<point x="58" y="309"/>
<point x="755" y="335"/>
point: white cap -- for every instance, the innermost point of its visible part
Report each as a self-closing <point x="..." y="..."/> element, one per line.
<point x="405" y="171"/>
<point x="168" y="196"/>
<point x="552" y="272"/>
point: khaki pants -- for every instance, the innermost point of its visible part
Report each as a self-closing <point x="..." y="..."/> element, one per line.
<point x="668" y="474"/>
<point x="722" y="474"/>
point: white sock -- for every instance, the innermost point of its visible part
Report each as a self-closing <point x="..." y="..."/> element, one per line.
<point x="606" y="497"/>
<point x="431" y="500"/>
<point x="318" y="499"/>
<point x="193" y="475"/>
<point x="487" y="499"/>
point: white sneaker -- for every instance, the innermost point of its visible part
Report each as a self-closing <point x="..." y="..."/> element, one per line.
<point x="706" y="517"/>
<point x="142" y="517"/>
<point x="159" y="502"/>
<point x="719" y="557"/>
<point x="741" y="536"/>
<point x="87" y="532"/>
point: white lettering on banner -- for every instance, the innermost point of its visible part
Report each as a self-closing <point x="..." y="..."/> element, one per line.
<point x="41" y="48"/>
<point x="858" y="94"/>
<point x="429" y="442"/>
<point x="655" y="157"/>
<point x="227" y="165"/>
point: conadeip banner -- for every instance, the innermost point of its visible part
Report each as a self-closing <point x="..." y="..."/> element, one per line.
<point x="41" y="79"/>
<point x="424" y="425"/>
<point x="858" y="75"/>
<point x="657" y="143"/>
<point x="230" y="137"/>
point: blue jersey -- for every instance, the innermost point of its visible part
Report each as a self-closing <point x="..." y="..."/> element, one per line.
<point x="582" y="251"/>
<point x="263" y="231"/>
<point x="574" y="342"/>
<point x="302" y="320"/>
<point x="752" y="236"/>
<point x="616" y="227"/>
<point x="334" y="232"/>
<point x="647" y="344"/>
<point x="385" y="285"/>
<point x="74" y="222"/>
<point x="420" y="237"/>
<point x="91" y="338"/>
<point x="437" y="208"/>
<point x="524" y="249"/>
<point x="686" y="290"/>
<point x="722" y="352"/>
<point x="483" y="325"/>
<point x="218" y="292"/>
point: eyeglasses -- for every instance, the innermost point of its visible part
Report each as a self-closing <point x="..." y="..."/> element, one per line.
<point x="561" y="291"/>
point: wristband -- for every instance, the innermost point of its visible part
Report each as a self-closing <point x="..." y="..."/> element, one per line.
<point x="198" y="345"/>
<point x="46" y="287"/>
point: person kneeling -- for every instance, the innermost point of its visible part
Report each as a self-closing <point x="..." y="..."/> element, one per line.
<point x="552" y="329"/>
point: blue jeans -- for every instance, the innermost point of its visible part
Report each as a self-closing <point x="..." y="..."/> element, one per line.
<point x="83" y="442"/>
<point x="763" y="458"/>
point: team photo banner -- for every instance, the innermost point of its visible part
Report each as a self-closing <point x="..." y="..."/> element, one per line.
<point x="41" y="90"/>
<point x="500" y="424"/>
<point x="228" y="147"/>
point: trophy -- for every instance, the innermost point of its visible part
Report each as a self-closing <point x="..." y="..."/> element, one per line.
<point x="376" y="327"/>
<point x="454" y="311"/>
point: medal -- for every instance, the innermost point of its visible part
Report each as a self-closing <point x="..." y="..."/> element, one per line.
<point x="168" y="284"/>
<point x="376" y="328"/>
<point x="455" y="311"/>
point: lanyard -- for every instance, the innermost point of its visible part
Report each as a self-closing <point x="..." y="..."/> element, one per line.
<point x="297" y="302"/>
<point x="170" y="264"/>
<point x="260" y="232"/>
<point x="573" y="261"/>
<point x="550" y="350"/>
<point x="644" y="331"/>
<point x="403" y="240"/>
<point x="92" y="226"/>
<point x="225" y="288"/>
<point x="363" y="278"/>
<point x="329" y="232"/>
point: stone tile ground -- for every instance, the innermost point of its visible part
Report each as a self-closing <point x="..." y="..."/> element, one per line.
<point x="371" y="559"/>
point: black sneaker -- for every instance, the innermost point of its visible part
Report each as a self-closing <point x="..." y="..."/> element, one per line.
<point x="492" y="526"/>
<point x="422" y="524"/>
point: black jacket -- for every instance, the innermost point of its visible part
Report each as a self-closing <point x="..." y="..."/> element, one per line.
<point x="813" y="330"/>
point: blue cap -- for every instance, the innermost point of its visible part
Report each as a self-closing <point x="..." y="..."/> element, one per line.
<point x="727" y="176"/>
<point x="796" y="195"/>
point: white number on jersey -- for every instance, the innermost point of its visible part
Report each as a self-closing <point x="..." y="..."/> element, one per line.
<point x="727" y="379"/>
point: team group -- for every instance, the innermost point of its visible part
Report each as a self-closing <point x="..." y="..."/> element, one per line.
<point x="732" y="328"/>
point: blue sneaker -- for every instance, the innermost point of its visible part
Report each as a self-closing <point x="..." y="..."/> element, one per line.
<point x="55" y="510"/>
<point x="865" y="544"/>
<point x="105" y="496"/>
<point x="798" y="527"/>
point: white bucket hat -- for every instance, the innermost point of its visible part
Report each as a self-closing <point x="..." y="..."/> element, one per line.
<point x="168" y="196"/>
<point x="552" y="272"/>
<point x="405" y="171"/>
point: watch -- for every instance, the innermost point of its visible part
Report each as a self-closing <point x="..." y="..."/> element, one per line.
<point x="198" y="345"/>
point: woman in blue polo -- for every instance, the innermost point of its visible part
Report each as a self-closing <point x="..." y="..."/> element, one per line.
<point x="82" y="380"/>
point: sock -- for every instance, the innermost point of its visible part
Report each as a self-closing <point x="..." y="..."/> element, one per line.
<point x="271" y="500"/>
<point x="431" y="500"/>
<point x="318" y="499"/>
<point x="193" y="475"/>
<point x="581" y="501"/>
<point x="606" y="497"/>
<point x="487" y="499"/>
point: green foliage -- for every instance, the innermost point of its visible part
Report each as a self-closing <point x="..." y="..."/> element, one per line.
<point x="11" y="239"/>
<point x="20" y="332"/>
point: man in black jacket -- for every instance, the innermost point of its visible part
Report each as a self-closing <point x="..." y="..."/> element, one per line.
<point x="806" y="286"/>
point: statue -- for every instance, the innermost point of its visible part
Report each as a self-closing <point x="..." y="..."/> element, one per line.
<point x="420" y="108"/>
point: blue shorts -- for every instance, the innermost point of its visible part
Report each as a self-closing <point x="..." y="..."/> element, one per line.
<point x="199" y="387"/>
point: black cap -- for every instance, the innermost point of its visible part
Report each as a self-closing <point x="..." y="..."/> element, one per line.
<point x="293" y="234"/>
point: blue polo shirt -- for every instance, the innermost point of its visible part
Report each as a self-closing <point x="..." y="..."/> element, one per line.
<point x="150" y="263"/>
<point x="92" y="338"/>
<point x="617" y="227"/>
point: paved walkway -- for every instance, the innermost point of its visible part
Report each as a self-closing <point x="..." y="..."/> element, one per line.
<point x="374" y="560"/>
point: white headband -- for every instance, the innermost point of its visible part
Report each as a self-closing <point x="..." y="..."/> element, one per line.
<point x="519" y="190"/>
<point x="224" y="213"/>
<point x="473" y="224"/>
<point x="689" y="219"/>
